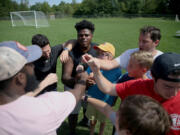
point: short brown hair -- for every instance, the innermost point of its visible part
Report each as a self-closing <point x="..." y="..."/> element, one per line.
<point x="144" y="58"/>
<point x="155" y="33"/>
<point x="142" y="115"/>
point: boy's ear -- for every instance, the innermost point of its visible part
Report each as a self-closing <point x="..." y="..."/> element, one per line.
<point x="144" y="70"/>
<point x="20" y="79"/>
<point x="156" y="43"/>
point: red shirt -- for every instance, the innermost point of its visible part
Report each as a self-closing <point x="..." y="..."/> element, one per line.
<point x="172" y="106"/>
<point x="146" y="87"/>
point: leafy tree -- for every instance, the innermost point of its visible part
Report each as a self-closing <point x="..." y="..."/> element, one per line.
<point x="87" y="7"/>
<point x="150" y="6"/>
<point x="96" y="7"/>
<point x="23" y="6"/>
<point x="174" y="6"/>
<point x="131" y="6"/>
<point x="7" y="6"/>
<point x="36" y="6"/>
<point x="44" y="7"/>
<point x="162" y="7"/>
<point x="135" y="6"/>
<point x="64" y="9"/>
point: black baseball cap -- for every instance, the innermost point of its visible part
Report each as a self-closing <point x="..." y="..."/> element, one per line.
<point x="164" y="65"/>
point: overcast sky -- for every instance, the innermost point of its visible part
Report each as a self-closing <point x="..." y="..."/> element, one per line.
<point x="51" y="2"/>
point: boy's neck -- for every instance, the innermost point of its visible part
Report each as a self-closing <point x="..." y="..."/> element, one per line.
<point x="154" y="52"/>
<point x="142" y="77"/>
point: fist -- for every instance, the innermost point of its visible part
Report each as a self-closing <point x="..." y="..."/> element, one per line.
<point x="82" y="76"/>
<point x="80" y="68"/>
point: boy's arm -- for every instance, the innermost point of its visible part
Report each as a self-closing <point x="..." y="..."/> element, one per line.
<point x="108" y="64"/>
<point x="67" y="46"/>
<point x="103" y="84"/>
<point x="100" y="106"/>
<point x="80" y="85"/>
<point x="67" y="69"/>
<point x="50" y="79"/>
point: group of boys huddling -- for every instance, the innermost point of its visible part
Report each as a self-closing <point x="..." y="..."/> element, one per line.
<point x="149" y="91"/>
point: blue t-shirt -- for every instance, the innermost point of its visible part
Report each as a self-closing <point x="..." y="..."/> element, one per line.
<point x="125" y="77"/>
<point x="112" y="76"/>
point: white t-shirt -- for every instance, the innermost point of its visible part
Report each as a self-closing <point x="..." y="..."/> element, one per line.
<point x="36" y="115"/>
<point x="124" y="58"/>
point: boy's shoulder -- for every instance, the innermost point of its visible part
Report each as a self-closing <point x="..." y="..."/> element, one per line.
<point x="125" y="77"/>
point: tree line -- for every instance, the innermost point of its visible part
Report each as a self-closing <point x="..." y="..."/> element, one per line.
<point x="95" y="7"/>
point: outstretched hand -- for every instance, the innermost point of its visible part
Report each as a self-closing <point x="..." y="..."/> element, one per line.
<point x="92" y="62"/>
<point x="86" y="57"/>
<point x="90" y="81"/>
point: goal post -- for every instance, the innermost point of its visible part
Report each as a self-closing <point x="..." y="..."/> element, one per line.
<point x="29" y="18"/>
<point x="177" y="18"/>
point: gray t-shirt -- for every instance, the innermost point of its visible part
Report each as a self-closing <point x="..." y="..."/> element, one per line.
<point x="112" y="117"/>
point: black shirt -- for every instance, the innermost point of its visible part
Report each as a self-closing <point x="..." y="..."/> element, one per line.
<point x="76" y="55"/>
<point x="44" y="67"/>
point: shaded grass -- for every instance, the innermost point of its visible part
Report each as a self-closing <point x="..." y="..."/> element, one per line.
<point x="121" y="32"/>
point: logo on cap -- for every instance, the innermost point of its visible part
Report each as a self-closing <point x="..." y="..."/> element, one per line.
<point x="176" y="65"/>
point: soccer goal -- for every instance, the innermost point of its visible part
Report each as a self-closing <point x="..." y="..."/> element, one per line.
<point x="29" y="18"/>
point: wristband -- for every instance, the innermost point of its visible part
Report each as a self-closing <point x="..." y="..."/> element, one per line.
<point x="85" y="98"/>
<point x="82" y="82"/>
<point x="65" y="48"/>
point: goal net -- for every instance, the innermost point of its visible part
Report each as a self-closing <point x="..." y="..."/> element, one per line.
<point x="29" y="18"/>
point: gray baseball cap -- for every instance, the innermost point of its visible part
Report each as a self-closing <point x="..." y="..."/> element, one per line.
<point x="13" y="57"/>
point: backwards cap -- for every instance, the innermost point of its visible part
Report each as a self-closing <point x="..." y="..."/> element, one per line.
<point x="164" y="65"/>
<point x="13" y="57"/>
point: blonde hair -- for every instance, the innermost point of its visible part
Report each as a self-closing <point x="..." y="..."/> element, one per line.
<point x="144" y="58"/>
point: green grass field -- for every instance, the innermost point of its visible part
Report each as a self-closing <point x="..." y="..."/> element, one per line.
<point x="121" y="32"/>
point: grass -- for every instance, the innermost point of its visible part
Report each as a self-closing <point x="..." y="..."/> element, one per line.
<point x="121" y="32"/>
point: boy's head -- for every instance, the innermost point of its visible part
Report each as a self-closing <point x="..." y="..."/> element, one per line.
<point x="166" y="75"/>
<point x="85" y="30"/>
<point x="142" y="115"/>
<point x="43" y="42"/>
<point x="140" y="62"/>
<point x="17" y="70"/>
<point x="149" y="38"/>
<point x="84" y="24"/>
<point x="105" y="51"/>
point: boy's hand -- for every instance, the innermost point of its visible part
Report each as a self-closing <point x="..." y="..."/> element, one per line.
<point x="50" y="79"/>
<point x="80" y="68"/>
<point x="64" y="57"/>
<point x="81" y="76"/>
<point x="92" y="62"/>
<point x="90" y="81"/>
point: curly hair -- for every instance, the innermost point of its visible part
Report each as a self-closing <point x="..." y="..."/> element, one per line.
<point x="40" y="40"/>
<point x="84" y="24"/>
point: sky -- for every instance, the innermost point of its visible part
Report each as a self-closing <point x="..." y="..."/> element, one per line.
<point x="51" y="2"/>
